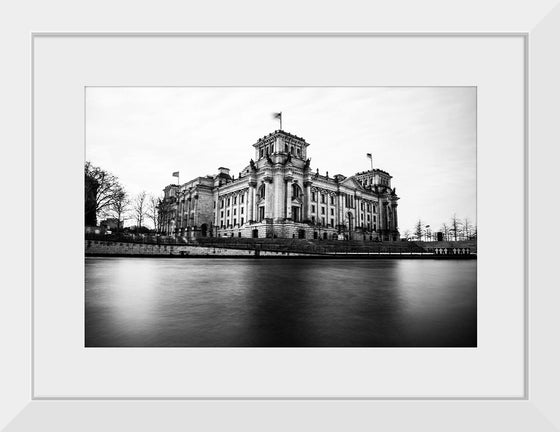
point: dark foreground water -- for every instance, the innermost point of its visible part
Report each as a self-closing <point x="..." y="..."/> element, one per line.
<point x="217" y="302"/>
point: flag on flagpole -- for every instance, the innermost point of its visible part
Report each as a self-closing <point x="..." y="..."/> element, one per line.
<point x="278" y="116"/>
<point x="368" y="155"/>
<point x="176" y="174"/>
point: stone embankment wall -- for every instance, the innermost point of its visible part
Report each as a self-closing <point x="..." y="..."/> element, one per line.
<point x="97" y="247"/>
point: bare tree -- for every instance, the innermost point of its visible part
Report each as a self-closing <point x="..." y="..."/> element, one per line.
<point x="120" y="206"/>
<point x="455" y="226"/>
<point x="154" y="204"/>
<point x="418" y="230"/>
<point x="445" y="230"/>
<point x="139" y="208"/>
<point x="100" y="188"/>
<point x="407" y="235"/>
<point x="467" y="228"/>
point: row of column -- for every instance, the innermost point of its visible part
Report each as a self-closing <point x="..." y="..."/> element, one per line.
<point x="278" y="205"/>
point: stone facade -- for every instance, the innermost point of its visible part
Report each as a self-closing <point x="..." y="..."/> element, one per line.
<point x="279" y="195"/>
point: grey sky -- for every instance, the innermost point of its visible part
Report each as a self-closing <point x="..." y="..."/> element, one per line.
<point x="425" y="137"/>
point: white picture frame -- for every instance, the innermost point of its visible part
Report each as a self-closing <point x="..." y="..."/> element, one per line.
<point x="535" y="410"/>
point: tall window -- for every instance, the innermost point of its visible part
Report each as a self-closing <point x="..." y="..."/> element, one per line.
<point x="261" y="191"/>
<point x="296" y="191"/>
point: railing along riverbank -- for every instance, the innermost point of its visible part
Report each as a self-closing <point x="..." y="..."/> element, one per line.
<point x="163" y="245"/>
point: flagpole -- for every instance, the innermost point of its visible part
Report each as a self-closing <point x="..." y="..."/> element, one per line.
<point x="280" y="120"/>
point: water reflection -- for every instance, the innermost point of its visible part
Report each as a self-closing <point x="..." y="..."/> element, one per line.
<point x="279" y="302"/>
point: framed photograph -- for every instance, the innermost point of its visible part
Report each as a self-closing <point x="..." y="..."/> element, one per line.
<point x="287" y="239"/>
<point x="277" y="251"/>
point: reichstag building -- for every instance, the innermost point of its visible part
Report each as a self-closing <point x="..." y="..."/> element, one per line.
<point x="278" y="195"/>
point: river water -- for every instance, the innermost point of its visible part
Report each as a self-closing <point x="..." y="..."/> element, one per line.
<point x="280" y="302"/>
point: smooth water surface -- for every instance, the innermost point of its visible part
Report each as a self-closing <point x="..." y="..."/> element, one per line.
<point x="283" y="302"/>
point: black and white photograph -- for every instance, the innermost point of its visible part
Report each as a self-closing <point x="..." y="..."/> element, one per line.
<point x="280" y="217"/>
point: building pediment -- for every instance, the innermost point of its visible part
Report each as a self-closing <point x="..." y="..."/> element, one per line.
<point x="351" y="182"/>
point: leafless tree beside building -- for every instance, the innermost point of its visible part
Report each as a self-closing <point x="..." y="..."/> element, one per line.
<point x="120" y="206"/>
<point x="101" y="186"/>
<point x="153" y="211"/>
<point x="140" y="208"/>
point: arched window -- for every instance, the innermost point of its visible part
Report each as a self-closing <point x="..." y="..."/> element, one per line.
<point x="286" y="149"/>
<point x="296" y="191"/>
<point x="262" y="191"/>
<point x="292" y="150"/>
<point x="350" y="218"/>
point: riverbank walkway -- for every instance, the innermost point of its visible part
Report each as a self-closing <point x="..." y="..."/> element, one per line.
<point x="302" y="246"/>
